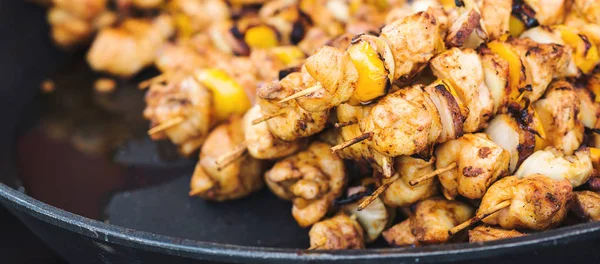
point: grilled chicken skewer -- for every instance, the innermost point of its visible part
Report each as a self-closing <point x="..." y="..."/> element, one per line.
<point x="239" y="179"/>
<point x="535" y="202"/>
<point x="477" y="162"/>
<point x="339" y="232"/>
<point x="429" y="223"/>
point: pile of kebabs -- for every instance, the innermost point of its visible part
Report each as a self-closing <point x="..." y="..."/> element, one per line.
<point x="454" y="114"/>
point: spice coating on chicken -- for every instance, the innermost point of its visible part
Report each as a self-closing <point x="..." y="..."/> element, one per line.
<point x="338" y="232"/>
<point x="133" y="45"/>
<point x="463" y="69"/>
<point x="536" y="202"/>
<point x="188" y="100"/>
<point x="332" y="68"/>
<point x="496" y="16"/>
<point x="261" y="144"/>
<point x="404" y="122"/>
<point x="479" y="163"/>
<point x="547" y="12"/>
<point x="400" y="235"/>
<point x="312" y="179"/>
<point x="238" y="179"/>
<point x="560" y="116"/>
<point x="542" y="62"/>
<point x="488" y="233"/>
<point x="360" y="151"/>
<point x="400" y="193"/>
<point x="293" y="121"/>
<point x="434" y="217"/>
<point x="414" y="40"/>
<point x="552" y="163"/>
<point x="586" y="204"/>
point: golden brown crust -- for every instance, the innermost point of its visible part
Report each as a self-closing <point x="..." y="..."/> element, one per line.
<point x="488" y="233"/>
<point x="338" y="232"/>
<point x="586" y="204"/>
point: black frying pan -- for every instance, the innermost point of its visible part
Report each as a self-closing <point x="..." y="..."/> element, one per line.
<point x="134" y="195"/>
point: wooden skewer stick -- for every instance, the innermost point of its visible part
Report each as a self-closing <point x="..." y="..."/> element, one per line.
<point x="385" y="184"/>
<point x="267" y="117"/>
<point x="475" y="219"/>
<point x="352" y="141"/>
<point x="432" y="174"/>
<point x="156" y="79"/>
<point x="164" y="125"/>
<point x="230" y="157"/>
<point x="304" y="92"/>
<point x="344" y="124"/>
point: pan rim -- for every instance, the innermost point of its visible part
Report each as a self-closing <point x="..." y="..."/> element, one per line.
<point x="204" y="250"/>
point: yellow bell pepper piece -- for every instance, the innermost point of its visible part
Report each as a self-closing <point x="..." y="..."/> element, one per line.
<point x="514" y="67"/>
<point x="586" y="53"/>
<point x="228" y="95"/>
<point x="515" y="26"/>
<point x="372" y="75"/>
<point x="261" y="37"/>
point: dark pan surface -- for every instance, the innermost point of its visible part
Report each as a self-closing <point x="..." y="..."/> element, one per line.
<point x="133" y="194"/>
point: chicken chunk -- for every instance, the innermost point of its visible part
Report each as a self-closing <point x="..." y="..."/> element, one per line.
<point x="187" y="100"/>
<point x="547" y="12"/>
<point x="434" y="217"/>
<point x="127" y="49"/>
<point x="496" y="16"/>
<point x="479" y="163"/>
<point x="293" y="122"/>
<point x="552" y="163"/>
<point x="589" y="109"/>
<point x="404" y="122"/>
<point x="84" y="9"/>
<point x="361" y="151"/>
<point x="338" y="232"/>
<point x="401" y="235"/>
<point x="542" y="62"/>
<point x="333" y="70"/>
<point x="463" y="69"/>
<point x="400" y="193"/>
<point x="559" y="111"/>
<point x="586" y="204"/>
<point x="237" y="180"/>
<point x="414" y="40"/>
<point x="312" y="179"/>
<point x="488" y="233"/>
<point x="261" y="144"/>
<point x="536" y="202"/>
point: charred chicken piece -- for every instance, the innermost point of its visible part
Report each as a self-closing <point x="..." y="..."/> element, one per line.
<point x="400" y="193"/>
<point x="188" y="101"/>
<point x="479" y="163"/>
<point x="586" y="204"/>
<point x="239" y="179"/>
<point x="347" y="114"/>
<point x="560" y="116"/>
<point x="434" y="217"/>
<point x="488" y="233"/>
<point x="536" y="202"/>
<point x="404" y="122"/>
<point x="338" y="232"/>
<point x="463" y="69"/>
<point x="292" y="122"/>
<point x="261" y="144"/>
<point x="312" y="179"/>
